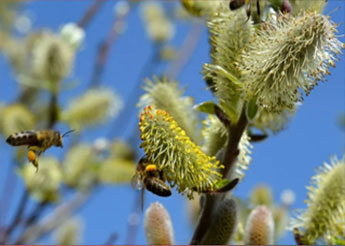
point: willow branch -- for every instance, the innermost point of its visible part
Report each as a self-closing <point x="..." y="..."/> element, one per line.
<point x="53" y="110"/>
<point x="189" y="45"/>
<point x="124" y="117"/>
<point x="62" y="213"/>
<point x="132" y="228"/>
<point x="17" y="217"/>
<point x="230" y="156"/>
<point x="112" y="238"/>
<point x="90" y="13"/>
<point x="35" y="214"/>
<point x="104" y="48"/>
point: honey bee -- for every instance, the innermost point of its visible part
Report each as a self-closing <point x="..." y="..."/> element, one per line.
<point x="147" y="176"/>
<point x="37" y="141"/>
<point x="236" y="4"/>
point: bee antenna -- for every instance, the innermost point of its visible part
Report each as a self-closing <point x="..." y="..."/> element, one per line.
<point x="66" y="133"/>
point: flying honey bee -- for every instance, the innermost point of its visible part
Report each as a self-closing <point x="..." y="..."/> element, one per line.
<point x="147" y="176"/>
<point x="37" y="141"/>
<point x="236" y="4"/>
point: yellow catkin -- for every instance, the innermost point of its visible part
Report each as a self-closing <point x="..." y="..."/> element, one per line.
<point x="181" y="160"/>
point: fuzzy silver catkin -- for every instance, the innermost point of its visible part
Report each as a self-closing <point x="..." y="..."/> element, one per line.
<point x="43" y="185"/>
<point x="223" y="224"/>
<point x="326" y="204"/>
<point x="165" y="94"/>
<point x="158" y="26"/>
<point x="158" y="226"/>
<point x="93" y="107"/>
<point x="230" y="34"/>
<point x="260" y="227"/>
<point x="288" y="57"/>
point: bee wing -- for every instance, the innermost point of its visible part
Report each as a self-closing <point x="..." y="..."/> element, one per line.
<point x="136" y="182"/>
<point x="142" y="195"/>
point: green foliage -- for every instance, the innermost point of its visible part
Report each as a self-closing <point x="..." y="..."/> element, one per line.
<point x="206" y="107"/>
<point x="252" y="108"/>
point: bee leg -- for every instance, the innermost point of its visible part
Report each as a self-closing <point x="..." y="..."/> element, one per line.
<point x="35" y="163"/>
<point x="32" y="158"/>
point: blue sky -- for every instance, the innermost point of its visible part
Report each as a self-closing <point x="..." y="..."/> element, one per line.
<point x="284" y="161"/>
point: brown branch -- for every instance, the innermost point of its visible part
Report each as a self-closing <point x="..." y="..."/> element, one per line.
<point x="104" y="47"/>
<point x="53" y="110"/>
<point x="132" y="229"/>
<point x="90" y="13"/>
<point x="17" y="217"/>
<point x="235" y="133"/>
<point x="35" y="214"/>
<point x="189" y="45"/>
<point x="61" y="213"/>
<point x="230" y="156"/>
<point x="112" y="238"/>
<point x="123" y="120"/>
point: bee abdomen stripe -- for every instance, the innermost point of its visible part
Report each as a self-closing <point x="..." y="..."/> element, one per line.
<point x="22" y="138"/>
<point x="158" y="187"/>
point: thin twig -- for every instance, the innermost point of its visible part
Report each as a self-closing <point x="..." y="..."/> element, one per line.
<point x="112" y="238"/>
<point x="61" y="213"/>
<point x="115" y="31"/>
<point x="7" y="192"/>
<point x="132" y="229"/>
<point x="17" y="217"/>
<point x="123" y="119"/>
<point x="35" y="214"/>
<point x="90" y="13"/>
<point x="53" y="110"/>
<point x="189" y="45"/>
